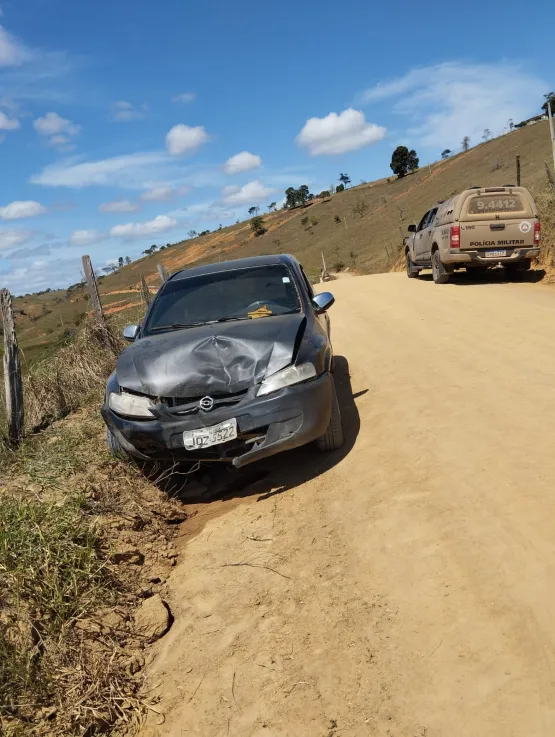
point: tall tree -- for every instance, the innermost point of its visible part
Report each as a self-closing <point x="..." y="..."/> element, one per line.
<point x="403" y="161"/>
<point x="446" y="153"/>
<point x="272" y="206"/>
<point x="345" y="179"/>
<point x="192" y="234"/>
<point x="120" y="261"/>
<point x="302" y="194"/>
<point x="465" y="145"/>
<point x="290" y="197"/>
<point x="549" y="98"/>
<point x="128" y="260"/>
<point x="486" y="135"/>
<point x="252" y="211"/>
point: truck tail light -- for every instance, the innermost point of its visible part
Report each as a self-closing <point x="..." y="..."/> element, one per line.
<point x="455" y="237"/>
<point x="537" y="232"/>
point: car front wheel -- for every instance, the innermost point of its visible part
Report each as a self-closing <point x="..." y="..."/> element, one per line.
<point x="333" y="437"/>
<point x="115" y="447"/>
<point x="412" y="272"/>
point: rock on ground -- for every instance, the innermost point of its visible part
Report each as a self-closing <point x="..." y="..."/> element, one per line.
<point x="152" y="618"/>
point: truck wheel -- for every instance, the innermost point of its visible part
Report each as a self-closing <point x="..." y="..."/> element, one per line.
<point x="333" y="437"/>
<point x="114" y="446"/>
<point x="412" y="272"/>
<point x="439" y="271"/>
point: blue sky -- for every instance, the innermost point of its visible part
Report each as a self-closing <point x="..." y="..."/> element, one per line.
<point x="131" y="122"/>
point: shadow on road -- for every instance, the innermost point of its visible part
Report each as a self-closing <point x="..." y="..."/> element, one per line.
<point x="490" y="276"/>
<point x="275" y="475"/>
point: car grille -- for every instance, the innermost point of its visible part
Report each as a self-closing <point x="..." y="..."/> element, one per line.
<point x="189" y="406"/>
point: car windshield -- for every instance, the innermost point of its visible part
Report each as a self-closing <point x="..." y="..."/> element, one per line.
<point x="240" y="294"/>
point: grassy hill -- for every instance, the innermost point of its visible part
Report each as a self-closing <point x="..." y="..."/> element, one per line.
<point x="360" y="228"/>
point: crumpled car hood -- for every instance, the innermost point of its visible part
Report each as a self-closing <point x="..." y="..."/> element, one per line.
<point x="224" y="358"/>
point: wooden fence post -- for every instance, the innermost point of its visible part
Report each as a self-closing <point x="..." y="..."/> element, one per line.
<point x="92" y="287"/>
<point x="518" y="171"/>
<point x="12" y="372"/>
<point x="162" y="272"/>
<point x="145" y="291"/>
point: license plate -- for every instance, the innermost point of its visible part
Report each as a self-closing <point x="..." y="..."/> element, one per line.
<point x="495" y="254"/>
<point x="207" y="436"/>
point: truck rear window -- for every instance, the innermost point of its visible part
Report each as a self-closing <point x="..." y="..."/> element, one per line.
<point x="495" y="203"/>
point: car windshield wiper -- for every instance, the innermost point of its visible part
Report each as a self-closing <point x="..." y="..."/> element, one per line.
<point x="232" y="317"/>
<point x="177" y="326"/>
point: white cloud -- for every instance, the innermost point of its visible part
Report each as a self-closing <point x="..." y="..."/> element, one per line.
<point x="160" y="224"/>
<point x="119" y="206"/>
<point x="86" y="237"/>
<point x="243" y="161"/>
<point x="337" y="134"/>
<point x="13" y="238"/>
<point x="125" y="111"/>
<point x="184" y="97"/>
<point x="12" y="52"/>
<point x="22" y="209"/>
<point x="445" y="102"/>
<point x="160" y="193"/>
<point x="8" y="124"/>
<point x="58" y="131"/>
<point x="183" y="139"/>
<point x="248" y="194"/>
<point x="139" y="171"/>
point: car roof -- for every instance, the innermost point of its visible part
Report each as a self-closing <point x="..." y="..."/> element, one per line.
<point x="239" y="263"/>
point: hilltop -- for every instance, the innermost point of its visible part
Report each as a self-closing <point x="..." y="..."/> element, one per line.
<point x="368" y="240"/>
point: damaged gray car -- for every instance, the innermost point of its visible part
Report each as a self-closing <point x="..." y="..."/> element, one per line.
<point x="233" y="362"/>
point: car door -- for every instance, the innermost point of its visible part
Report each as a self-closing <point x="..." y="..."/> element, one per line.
<point x="425" y="237"/>
<point x="418" y="237"/>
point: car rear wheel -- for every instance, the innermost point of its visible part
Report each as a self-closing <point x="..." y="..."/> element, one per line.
<point x="515" y="270"/>
<point x="115" y="447"/>
<point x="439" y="271"/>
<point x="412" y="272"/>
<point x="333" y="437"/>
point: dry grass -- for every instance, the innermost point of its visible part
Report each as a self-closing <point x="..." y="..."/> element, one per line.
<point x="66" y="634"/>
<point x="545" y="200"/>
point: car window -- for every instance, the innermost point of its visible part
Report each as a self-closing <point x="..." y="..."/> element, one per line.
<point x="433" y="213"/>
<point x="422" y="223"/>
<point x="307" y="284"/>
<point x="261" y="291"/>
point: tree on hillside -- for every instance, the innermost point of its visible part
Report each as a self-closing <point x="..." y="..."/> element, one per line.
<point x="340" y="188"/>
<point x="446" y="153"/>
<point x="258" y="226"/>
<point x="120" y="262"/>
<point x="549" y="98"/>
<point x="272" y="206"/>
<point x="360" y="208"/>
<point x="192" y="234"/>
<point x="510" y="124"/>
<point x="465" y="145"/>
<point x="324" y="193"/>
<point x="290" y="197"/>
<point x="486" y="135"/>
<point x="404" y="161"/>
<point x="128" y="261"/>
<point x="345" y="179"/>
<point x="252" y="211"/>
<point x="302" y="194"/>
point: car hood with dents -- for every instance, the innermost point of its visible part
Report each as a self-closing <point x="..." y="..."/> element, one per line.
<point x="223" y="358"/>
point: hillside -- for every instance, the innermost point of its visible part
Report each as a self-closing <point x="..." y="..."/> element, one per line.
<point x="370" y="243"/>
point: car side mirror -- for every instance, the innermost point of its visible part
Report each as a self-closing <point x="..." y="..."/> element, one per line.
<point x="412" y="228"/>
<point x="323" y="302"/>
<point x="130" y="333"/>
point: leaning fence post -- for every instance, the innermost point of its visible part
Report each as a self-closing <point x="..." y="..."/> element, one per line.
<point x="92" y="287"/>
<point x="145" y="291"/>
<point x="162" y="272"/>
<point x="518" y="171"/>
<point x="12" y="372"/>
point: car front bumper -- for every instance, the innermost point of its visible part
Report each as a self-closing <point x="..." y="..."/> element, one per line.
<point x="266" y="425"/>
<point x="479" y="257"/>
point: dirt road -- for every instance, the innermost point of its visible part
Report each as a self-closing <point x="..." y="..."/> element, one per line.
<point x="405" y="586"/>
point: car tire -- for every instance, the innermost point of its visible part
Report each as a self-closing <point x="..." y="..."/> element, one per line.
<point x="333" y="437"/>
<point x="439" y="270"/>
<point x="412" y="272"/>
<point x="115" y="447"/>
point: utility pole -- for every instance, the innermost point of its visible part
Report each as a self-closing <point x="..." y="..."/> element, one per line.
<point x="92" y="287"/>
<point x="12" y="372"/>
<point x="551" y="130"/>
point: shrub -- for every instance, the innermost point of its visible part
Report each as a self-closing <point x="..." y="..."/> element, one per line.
<point x="337" y="219"/>
<point x="304" y="221"/>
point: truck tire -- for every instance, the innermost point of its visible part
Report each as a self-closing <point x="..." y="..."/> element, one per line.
<point x="333" y="437"/>
<point x="439" y="270"/>
<point x="114" y="446"/>
<point x="412" y="272"/>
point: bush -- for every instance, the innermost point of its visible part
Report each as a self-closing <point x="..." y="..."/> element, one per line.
<point x="337" y="219"/>
<point x="258" y="226"/>
<point x="313" y="221"/>
<point x="304" y="221"/>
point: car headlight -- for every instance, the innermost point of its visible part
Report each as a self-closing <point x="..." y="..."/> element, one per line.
<point x="130" y="405"/>
<point x="287" y="377"/>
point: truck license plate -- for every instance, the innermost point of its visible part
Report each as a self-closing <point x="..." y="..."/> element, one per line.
<point x="207" y="436"/>
<point x="495" y="254"/>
